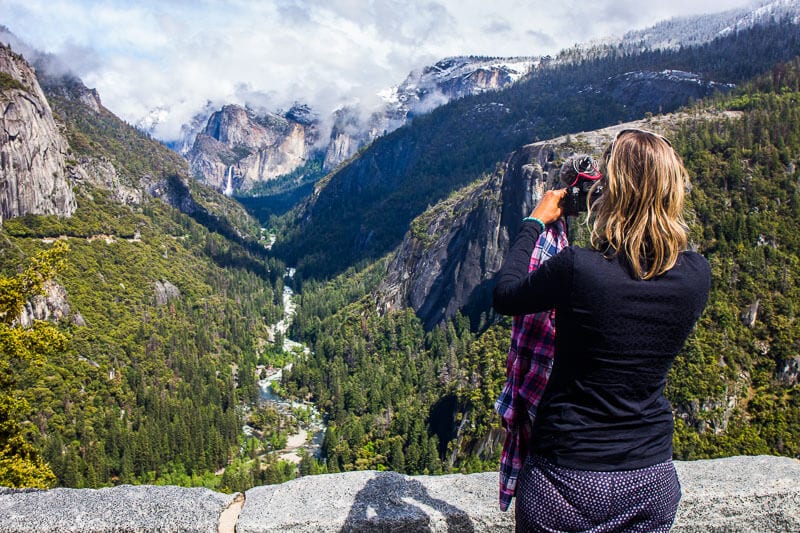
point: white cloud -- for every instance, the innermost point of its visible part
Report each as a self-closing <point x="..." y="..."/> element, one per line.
<point x="178" y="55"/>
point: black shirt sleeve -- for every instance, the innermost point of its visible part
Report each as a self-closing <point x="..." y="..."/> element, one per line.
<point x="518" y="292"/>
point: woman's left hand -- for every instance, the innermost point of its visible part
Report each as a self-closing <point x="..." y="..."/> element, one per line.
<point x="548" y="210"/>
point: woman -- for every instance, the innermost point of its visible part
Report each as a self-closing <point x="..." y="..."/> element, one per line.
<point x="601" y="450"/>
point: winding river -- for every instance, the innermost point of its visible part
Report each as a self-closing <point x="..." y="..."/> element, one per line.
<point x="311" y="435"/>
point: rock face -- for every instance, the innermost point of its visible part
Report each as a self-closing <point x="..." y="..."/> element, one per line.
<point x="347" y="136"/>
<point x="446" y="262"/>
<point x="165" y="292"/>
<point x="123" y="508"/>
<point x="33" y="176"/>
<point x="239" y="148"/>
<point x="53" y="305"/>
<point x="103" y="175"/>
<point x="189" y="131"/>
<point x="734" y="494"/>
<point x="67" y="86"/>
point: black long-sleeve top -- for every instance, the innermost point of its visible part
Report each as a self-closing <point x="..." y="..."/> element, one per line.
<point x="616" y="338"/>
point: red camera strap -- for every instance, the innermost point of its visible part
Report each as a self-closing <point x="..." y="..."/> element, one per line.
<point x="590" y="177"/>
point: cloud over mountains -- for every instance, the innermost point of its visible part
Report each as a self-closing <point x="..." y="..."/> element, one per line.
<point x="162" y="62"/>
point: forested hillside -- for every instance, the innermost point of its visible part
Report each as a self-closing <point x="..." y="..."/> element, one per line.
<point x="361" y="211"/>
<point x="736" y="386"/>
<point x="167" y="291"/>
<point x="421" y="401"/>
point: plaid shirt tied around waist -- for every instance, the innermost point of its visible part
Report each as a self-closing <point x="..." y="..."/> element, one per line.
<point x="528" y="366"/>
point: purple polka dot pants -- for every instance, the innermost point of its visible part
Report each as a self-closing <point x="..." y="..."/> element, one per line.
<point x="553" y="498"/>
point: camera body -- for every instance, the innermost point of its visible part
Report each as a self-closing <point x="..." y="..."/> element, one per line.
<point x="580" y="173"/>
<point x="574" y="201"/>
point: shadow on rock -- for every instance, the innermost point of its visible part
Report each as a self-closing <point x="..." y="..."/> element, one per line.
<point x="396" y="503"/>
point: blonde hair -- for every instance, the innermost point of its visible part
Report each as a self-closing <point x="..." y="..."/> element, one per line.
<point x="640" y="214"/>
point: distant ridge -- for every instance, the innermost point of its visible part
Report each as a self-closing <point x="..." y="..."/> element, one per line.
<point x="364" y="207"/>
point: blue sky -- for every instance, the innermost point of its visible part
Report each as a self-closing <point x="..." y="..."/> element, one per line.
<point x="167" y="59"/>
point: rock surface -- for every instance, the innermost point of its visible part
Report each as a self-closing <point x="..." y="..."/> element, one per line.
<point x="347" y="136"/>
<point x="52" y="305"/>
<point x="376" y="501"/>
<point x="239" y="148"/>
<point x="123" y="508"/>
<point x="739" y="494"/>
<point x="447" y="261"/>
<point x="165" y="292"/>
<point x="734" y="494"/>
<point x="104" y="175"/>
<point x="32" y="149"/>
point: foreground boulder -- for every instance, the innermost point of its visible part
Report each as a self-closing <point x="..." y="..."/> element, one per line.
<point x="734" y="494"/>
<point x="123" y="508"/>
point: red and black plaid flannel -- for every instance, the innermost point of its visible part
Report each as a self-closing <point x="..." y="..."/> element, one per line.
<point x="528" y="366"/>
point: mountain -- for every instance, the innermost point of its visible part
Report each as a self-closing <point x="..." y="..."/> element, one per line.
<point x="687" y="31"/>
<point x="167" y="288"/>
<point x="362" y="210"/>
<point x="457" y="77"/>
<point x="422" y="91"/>
<point x="165" y="295"/>
<point x="239" y="148"/>
<point x="451" y="78"/>
<point x="700" y="29"/>
<point x="33" y="153"/>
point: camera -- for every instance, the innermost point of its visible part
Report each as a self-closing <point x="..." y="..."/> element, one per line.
<point x="579" y="173"/>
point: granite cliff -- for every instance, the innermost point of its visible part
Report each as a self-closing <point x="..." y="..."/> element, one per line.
<point x="347" y="136"/>
<point x="445" y="263"/>
<point x="33" y="152"/>
<point x="240" y="147"/>
<point x="42" y="170"/>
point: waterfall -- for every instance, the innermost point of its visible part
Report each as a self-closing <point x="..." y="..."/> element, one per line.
<point x="229" y="182"/>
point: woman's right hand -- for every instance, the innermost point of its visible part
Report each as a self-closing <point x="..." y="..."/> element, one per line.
<point x="548" y="210"/>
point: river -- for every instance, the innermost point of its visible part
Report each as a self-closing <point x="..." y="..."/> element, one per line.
<point x="311" y="435"/>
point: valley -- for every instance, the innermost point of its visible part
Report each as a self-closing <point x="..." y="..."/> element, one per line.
<point x="194" y="355"/>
